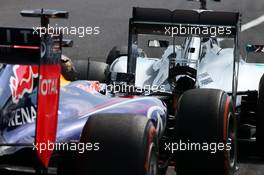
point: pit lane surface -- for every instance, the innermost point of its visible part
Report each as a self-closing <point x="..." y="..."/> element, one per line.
<point x="112" y="18"/>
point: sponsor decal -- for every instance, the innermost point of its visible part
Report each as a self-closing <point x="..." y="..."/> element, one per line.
<point x="23" y="116"/>
<point x="205" y="79"/>
<point x="93" y="87"/>
<point x="22" y="81"/>
<point x="48" y="104"/>
<point x="9" y="34"/>
<point x="48" y="86"/>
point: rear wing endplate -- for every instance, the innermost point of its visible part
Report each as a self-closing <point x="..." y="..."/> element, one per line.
<point x="40" y="55"/>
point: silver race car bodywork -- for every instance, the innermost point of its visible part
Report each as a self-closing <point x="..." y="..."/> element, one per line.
<point x="215" y="69"/>
<point x="175" y="64"/>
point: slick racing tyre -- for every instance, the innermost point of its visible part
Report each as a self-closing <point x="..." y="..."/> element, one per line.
<point x="260" y="118"/>
<point x="116" y="52"/>
<point x="128" y="145"/>
<point x="206" y="132"/>
<point x="91" y="70"/>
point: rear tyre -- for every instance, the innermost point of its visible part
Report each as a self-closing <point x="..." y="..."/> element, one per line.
<point x="260" y="118"/>
<point x="128" y="145"/>
<point x="205" y="116"/>
<point x="91" y="70"/>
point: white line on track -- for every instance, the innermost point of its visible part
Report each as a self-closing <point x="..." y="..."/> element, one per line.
<point x="249" y="25"/>
<point x="253" y="23"/>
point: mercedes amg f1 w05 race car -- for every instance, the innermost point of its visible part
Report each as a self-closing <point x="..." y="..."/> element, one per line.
<point x="190" y="59"/>
<point x="50" y="125"/>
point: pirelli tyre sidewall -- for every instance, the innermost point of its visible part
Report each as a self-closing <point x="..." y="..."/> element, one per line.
<point x="91" y="70"/>
<point x="128" y="145"/>
<point x="205" y="116"/>
<point x="260" y="118"/>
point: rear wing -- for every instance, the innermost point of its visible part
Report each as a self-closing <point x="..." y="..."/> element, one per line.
<point x="19" y="46"/>
<point x="44" y="15"/>
<point x="186" y="23"/>
<point x="145" y="20"/>
<point x="36" y="63"/>
<point x="185" y="16"/>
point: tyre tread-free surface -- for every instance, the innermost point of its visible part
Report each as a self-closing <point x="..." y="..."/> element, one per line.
<point x="124" y="144"/>
<point x="200" y="119"/>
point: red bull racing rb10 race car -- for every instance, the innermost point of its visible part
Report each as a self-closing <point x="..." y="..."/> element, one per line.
<point x="70" y="128"/>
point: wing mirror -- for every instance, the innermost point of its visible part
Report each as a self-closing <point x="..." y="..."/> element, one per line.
<point x="255" y="48"/>
<point x="158" y="43"/>
<point x="256" y="51"/>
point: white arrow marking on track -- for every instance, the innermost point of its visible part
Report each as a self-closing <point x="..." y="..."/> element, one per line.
<point x="253" y="23"/>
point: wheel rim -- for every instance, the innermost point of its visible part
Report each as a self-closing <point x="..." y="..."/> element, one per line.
<point x="152" y="159"/>
<point x="231" y="140"/>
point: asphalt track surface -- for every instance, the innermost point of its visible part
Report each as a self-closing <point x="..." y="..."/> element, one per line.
<point x="112" y="18"/>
